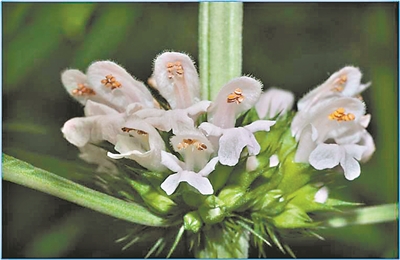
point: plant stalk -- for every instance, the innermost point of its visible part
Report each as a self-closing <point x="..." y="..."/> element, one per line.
<point x="220" y="45"/>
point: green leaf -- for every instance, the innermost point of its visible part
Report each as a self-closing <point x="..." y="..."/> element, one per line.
<point x="27" y="175"/>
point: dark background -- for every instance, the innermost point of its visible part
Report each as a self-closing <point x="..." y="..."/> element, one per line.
<point x="294" y="46"/>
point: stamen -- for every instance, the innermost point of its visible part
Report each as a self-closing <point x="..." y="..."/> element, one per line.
<point x="139" y="132"/>
<point x="187" y="142"/>
<point x="111" y="82"/>
<point x="174" y="68"/>
<point x="83" y="90"/>
<point x="340" y="115"/>
<point x="340" y="83"/>
<point x="235" y="97"/>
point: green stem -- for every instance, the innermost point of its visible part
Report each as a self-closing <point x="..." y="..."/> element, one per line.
<point x="220" y="45"/>
<point x="29" y="176"/>
<point x="365" y="215"/>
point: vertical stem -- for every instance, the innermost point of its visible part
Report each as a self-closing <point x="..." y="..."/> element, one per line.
<point x="220" y="45"/>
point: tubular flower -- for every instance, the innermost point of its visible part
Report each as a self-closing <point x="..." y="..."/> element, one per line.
<point x="243" y="163"/>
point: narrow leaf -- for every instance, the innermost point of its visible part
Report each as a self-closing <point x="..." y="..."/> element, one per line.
<point x="27" y="175"/>
<point x="362" y="216"/>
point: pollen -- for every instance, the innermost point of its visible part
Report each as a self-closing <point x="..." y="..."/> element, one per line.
<point x="188" y="142"/>
<point x="82" y="90"/>
<point x="111" y="82"/>
<point x="340" y="115"/>
<point x="175" y="68"/>
<point x="139" y="132"/>
<point x="235" y="97"/>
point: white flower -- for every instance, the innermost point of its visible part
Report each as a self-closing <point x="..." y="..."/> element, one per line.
<point x="274" y="102"/>
<point x="331" y="118"/>
<point x="194" y="147"/>
<point x="177" y="79"/>
<point x="141" y="143"/>
<point x="197" y="180"/>
<point x="237" y="96"/>
<point x="343" y="83"/>
<point x="233" y="140"/>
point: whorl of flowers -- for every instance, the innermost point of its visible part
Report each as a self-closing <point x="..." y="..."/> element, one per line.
<point x="239" y="165"/>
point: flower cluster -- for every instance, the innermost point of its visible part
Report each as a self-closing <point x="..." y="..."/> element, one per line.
<point x="330" y="124"/>
<point x="243" y="163"/>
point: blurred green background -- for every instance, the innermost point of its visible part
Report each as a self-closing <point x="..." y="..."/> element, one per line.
<point x="294" y="46"/>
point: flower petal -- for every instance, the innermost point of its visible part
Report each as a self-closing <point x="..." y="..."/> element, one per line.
<point x="72" y="79"/>
<point x="177" y="79"/>
<point x="326" y="156"/>
<point x="274" y="102"/>
<point x="202" y="184"/>
<point x="95" y="109"/>
<point x="129" y="90"/>
<point x="171" y="183"/>
<point x="350" y="166"/>
<point x="78" y="130"/>
<point x="224" y="110"/>
<point x="260" y="125"/>
<point x="232" y="143"/>
<point x="210" y="166"/>
<point x="171" y="162"/>
<point x="368" y="142"/>
<point x="306" y="145"/>
<point x="343" y="83"/>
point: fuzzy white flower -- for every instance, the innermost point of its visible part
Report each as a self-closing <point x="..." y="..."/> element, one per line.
<point x="102" y="123"/>
<point x="141" y="142"/>
<point x="107" y="83"/>
<point x="198" y="180"/>
<point x="177" y="80"/>
<point x="233" y="140"/>
<point x="343" y="83"/>
<point x="237" y="96"/>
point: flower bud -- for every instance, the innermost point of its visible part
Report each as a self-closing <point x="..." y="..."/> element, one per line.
<point x="192" y="221"/>
<point x="232" y="196"/>
<point x="212" y="210"/>
<point x="156" y="201"/>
